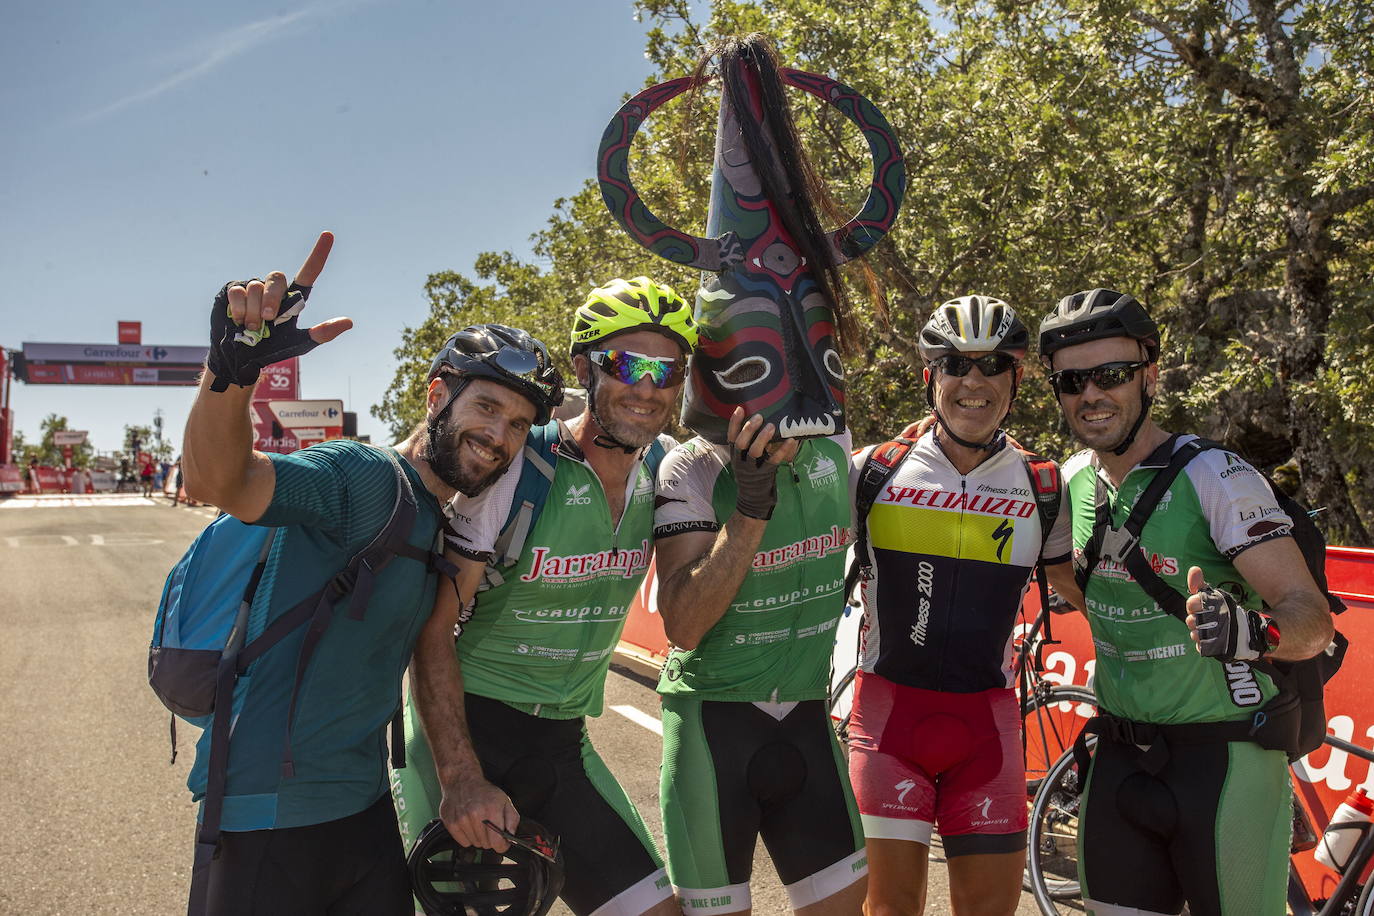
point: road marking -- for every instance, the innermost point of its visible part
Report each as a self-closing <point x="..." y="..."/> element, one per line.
<point x="640" y="718"/>
<point x="75" y="502"/>
<point x="113" y="539"/>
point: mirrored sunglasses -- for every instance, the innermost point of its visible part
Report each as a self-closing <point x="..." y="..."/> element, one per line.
<point x="958" y="365"/>
<point x="1105" y="377"/>
<point x="628" y="367"/>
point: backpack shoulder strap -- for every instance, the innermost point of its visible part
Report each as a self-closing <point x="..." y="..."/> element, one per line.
<point x="531" y="493"/>
<point x="1122" y="544"/>
<point x="1045" y="486"/>
<point x="654" y="455"/>
<point x="878" y="468"/>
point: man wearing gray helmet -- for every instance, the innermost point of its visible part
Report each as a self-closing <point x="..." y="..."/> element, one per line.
<point x="298" y="817"/>
<point x="1187" y="798"/>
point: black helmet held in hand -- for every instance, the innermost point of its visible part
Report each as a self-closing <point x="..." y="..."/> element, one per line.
<point x="1096" y="314"/>
<point x="453" y="880"/>
<point x="508" y="356"/>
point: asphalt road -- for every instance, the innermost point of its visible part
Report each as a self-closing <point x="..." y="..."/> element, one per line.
<point x="95" y="819"/>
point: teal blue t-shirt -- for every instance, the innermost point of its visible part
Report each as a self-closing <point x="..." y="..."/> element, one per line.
<point x="330" y="501"/>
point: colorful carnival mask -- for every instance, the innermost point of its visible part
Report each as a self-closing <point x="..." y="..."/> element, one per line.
<point x="767" y="317"/>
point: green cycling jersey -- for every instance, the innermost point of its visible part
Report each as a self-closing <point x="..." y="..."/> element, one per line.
<point x="1148" y="668"/>
<point x="542" y="640"/>
<point x="775" y="640"/>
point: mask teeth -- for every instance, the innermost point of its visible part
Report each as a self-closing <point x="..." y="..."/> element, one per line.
<point x="806" y="426"/>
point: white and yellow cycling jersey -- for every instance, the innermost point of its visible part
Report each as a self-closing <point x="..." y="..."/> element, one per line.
<point x="951" y="555"/>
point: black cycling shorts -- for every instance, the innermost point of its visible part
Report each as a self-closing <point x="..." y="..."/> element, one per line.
<point x="732" y="773"/>
<point x="552" y="774"/>
<point x="1212" y="827"/>
<point x="349" y="867"/>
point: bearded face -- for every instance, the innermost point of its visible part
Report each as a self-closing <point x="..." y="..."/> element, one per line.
<point x="453" y="459"/>
<point x="477" y="436"/>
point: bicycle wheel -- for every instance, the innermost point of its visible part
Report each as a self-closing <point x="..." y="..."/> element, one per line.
<point x="1365" y="906"/>
<point x="1051" y="718"/>
<point x="841" y="703"/>
<point x="1052" y="853"/>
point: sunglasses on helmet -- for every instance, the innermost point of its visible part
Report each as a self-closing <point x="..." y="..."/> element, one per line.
<point x="629" y="367"/>
<point x="519" y="364"/>
<point x="1105" y="377"/>
<point x="990" y="364"/>
<point x="541" y="845"/>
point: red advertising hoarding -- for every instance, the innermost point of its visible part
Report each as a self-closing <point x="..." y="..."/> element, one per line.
<point x="279" y="380"/>
<point x="131" y="332"/>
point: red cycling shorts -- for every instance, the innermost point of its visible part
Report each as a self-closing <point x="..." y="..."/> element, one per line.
<point x="918" y="758"/>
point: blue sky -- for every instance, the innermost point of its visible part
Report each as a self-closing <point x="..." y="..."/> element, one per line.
<point x="154" y="150"/>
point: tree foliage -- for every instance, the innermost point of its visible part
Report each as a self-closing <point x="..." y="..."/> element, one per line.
<point x="1215" y="159"/>
<point x="48" y="452"/>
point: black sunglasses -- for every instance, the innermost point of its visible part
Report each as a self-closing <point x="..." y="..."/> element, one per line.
<point x="1105" y="377"/>
<point x="958" y="365"/>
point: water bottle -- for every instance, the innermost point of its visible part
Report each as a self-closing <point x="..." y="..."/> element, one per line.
<point x="1348" y="823"/>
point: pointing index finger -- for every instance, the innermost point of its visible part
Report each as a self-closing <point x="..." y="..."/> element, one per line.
<point x="314" y="264"/>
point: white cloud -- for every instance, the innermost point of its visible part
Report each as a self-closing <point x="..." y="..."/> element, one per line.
<point x="212" y="53"/>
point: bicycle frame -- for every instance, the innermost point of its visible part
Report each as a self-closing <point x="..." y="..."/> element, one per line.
<point x="1348" y="888"/>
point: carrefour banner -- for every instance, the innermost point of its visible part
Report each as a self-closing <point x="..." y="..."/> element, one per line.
<point x="113" y="353"/>
<point x="107" y="364"/>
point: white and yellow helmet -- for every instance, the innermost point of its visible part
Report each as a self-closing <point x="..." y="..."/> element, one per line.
<point x="973" y="324"/>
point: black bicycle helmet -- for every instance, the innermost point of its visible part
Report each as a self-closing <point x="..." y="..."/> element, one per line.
<point x="453" y="880"/>
<point x="505" y="355"/>
<point x="1096" y="314"/>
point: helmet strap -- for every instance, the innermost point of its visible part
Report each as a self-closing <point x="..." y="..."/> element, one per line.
<point x="602" y="439"/>
<point x="981" y="446"/>
<point x="1125" y="444"/>
<point x="432" y="428"/>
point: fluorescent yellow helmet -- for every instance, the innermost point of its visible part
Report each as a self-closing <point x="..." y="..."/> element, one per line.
<point x="639" y="304"/>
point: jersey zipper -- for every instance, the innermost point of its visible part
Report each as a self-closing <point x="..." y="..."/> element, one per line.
<point x="801" y="515"/>
<point x="954" y="579"/>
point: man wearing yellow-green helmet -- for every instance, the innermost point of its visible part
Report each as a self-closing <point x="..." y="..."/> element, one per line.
<point x="504" y="703"/>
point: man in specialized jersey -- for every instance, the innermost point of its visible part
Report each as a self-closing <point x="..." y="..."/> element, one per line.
<point x="1180" y="803"/>
<point x="751" y="541"/>
<point x="531" y="660"/>
<point x="951" y="542"/>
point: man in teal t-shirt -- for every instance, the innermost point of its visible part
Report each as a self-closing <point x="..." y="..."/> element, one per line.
<point x="1177" y="806"/>
<point x="323" y="837"/>
<point x="503" y="707"/>
<point x="752" y="538"/>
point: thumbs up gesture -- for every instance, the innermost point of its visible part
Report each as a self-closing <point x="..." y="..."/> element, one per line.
<point x="1222" y="628"/>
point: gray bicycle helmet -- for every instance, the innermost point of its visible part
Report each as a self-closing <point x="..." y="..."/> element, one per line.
<point x="453" y="880"/>
<point x="1096" y="314"/>
<point x="972" y="323"/>
<point x="505" y="355"/>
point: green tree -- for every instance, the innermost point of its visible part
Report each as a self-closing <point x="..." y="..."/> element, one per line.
<point x="48" y="452"/>
<point x="1214" y="159"/>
